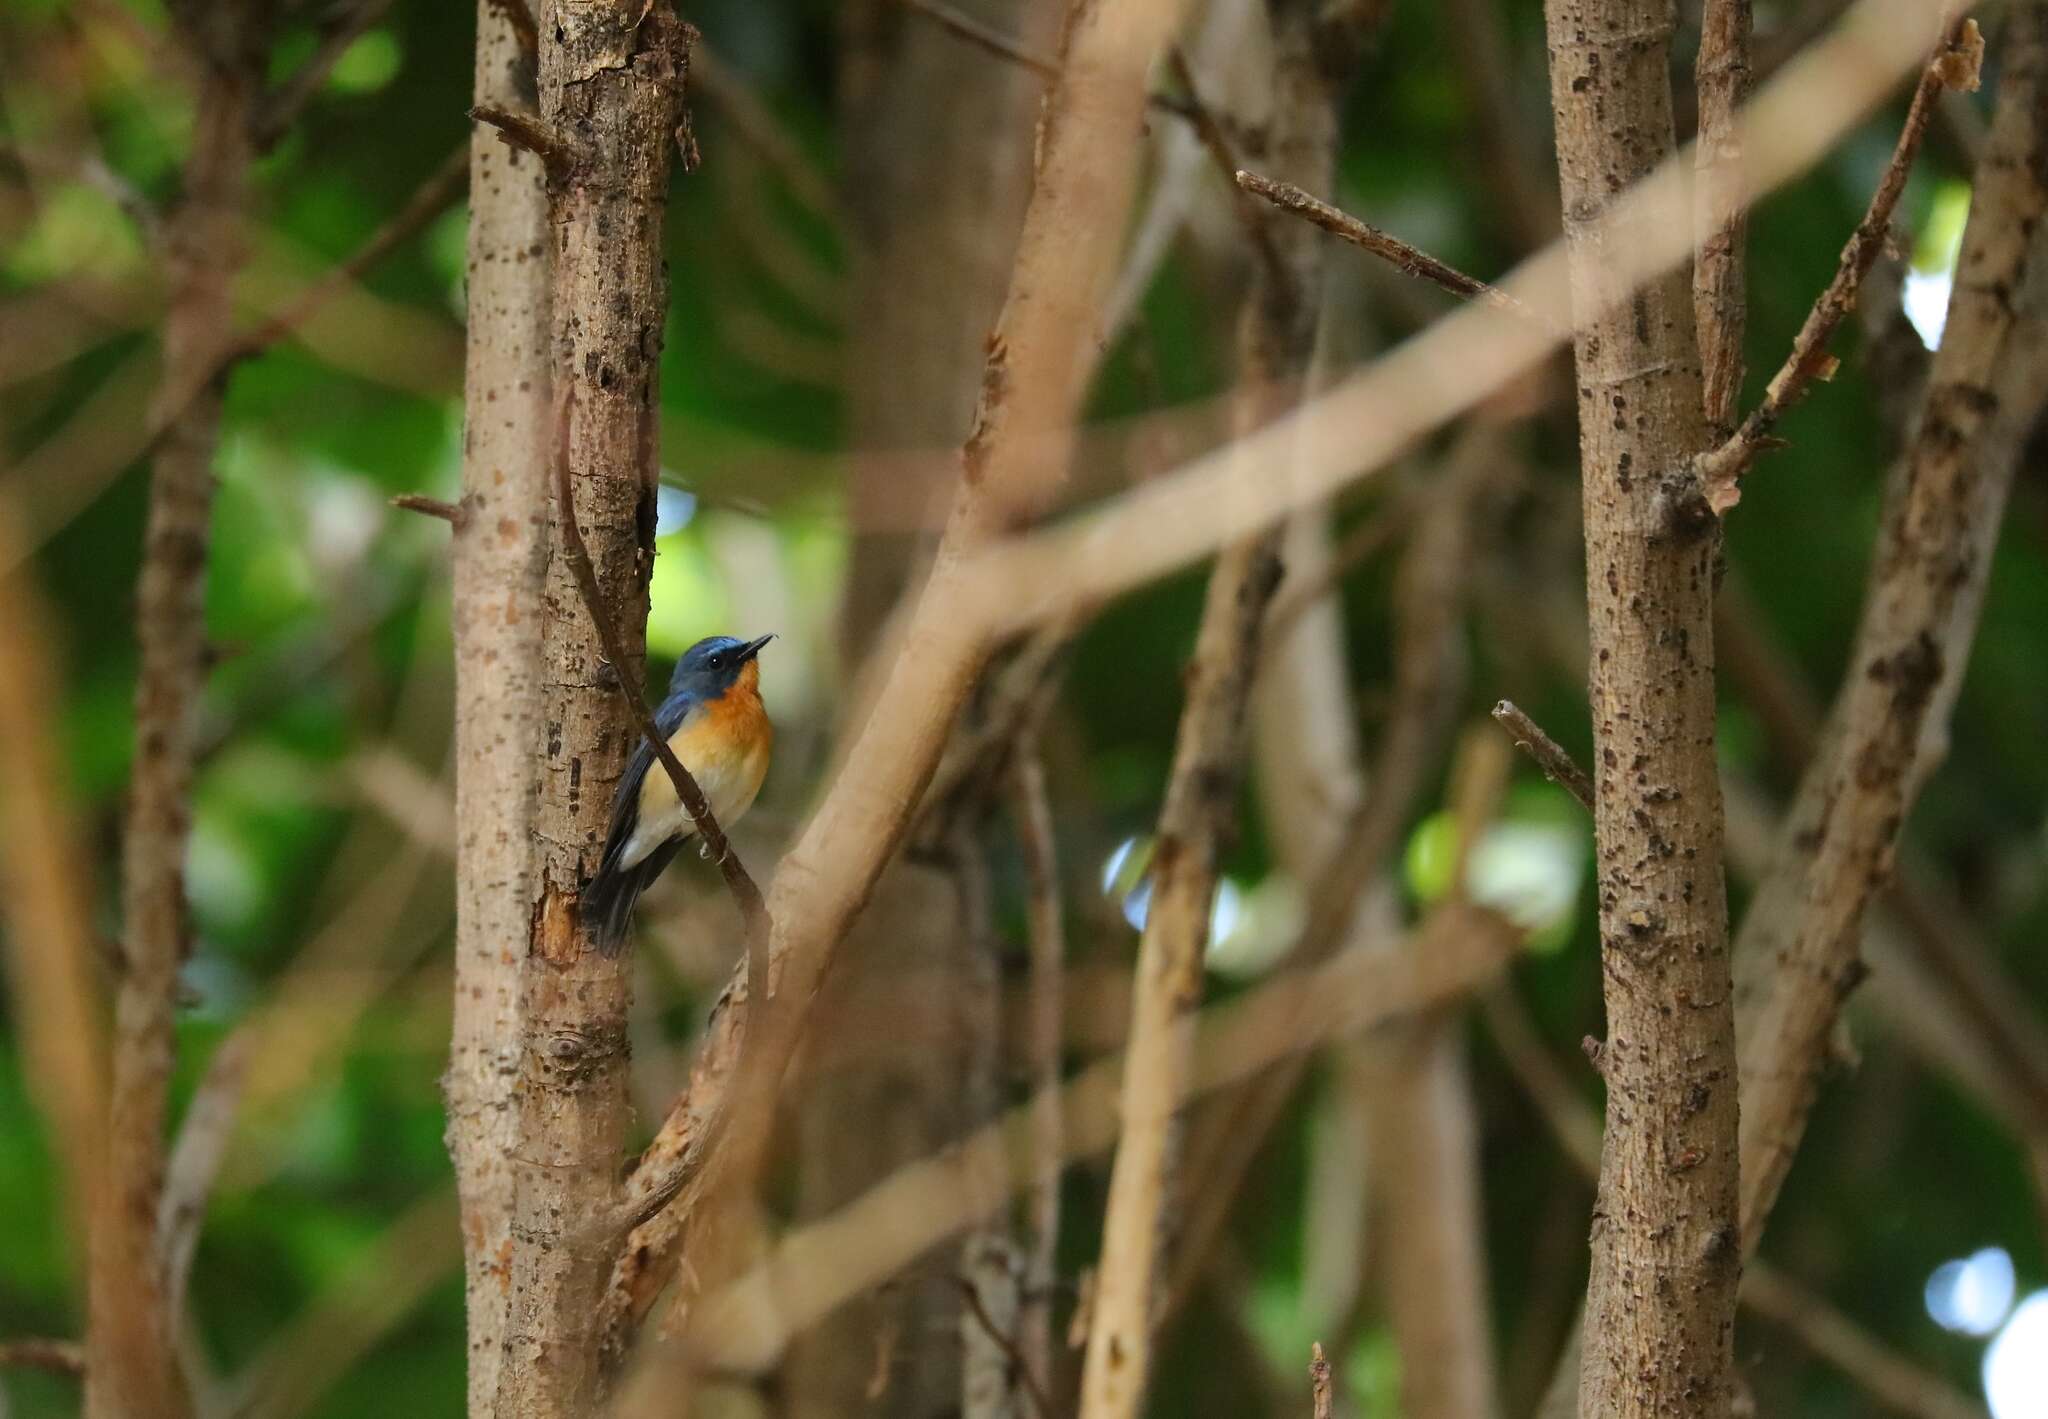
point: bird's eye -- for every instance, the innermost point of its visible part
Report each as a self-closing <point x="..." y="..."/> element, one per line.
<point x="716" y="662"/>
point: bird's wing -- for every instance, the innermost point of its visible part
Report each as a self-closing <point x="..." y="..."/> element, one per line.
<point x="668" y="718"/>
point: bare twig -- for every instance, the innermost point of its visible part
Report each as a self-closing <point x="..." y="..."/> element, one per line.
<point x="450" y="513"/>
<point x="745" y="894"/>
<point x="343" y="26"/>
<point x="1548" y="754"/>
<point x="195" y="1162"/>
<point x="982" y="37"/>
<point x="1720" y="303"/>
<point x="1720" y="470"/>
<point x="1301" y="594"/>
<point x="1798" y="956"/>
<point x="1884" y="1374"/>
<point x="755" y="126"/>
<point x="1321" y="1390"/>
<point x="746" y="1326"/>
<point x="525" y="130"/>
<point x="1032" y="813"/>
<point x="1892" y="1381"/>
<point x="133" y="1365"/>
<point x="1041" y="1403"/>
<point x="1223" y="156"/>
<point x="1409" y="260"/>
<point x="56" y="1357"/>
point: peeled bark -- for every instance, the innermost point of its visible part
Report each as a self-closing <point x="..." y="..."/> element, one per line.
<point x="499" y="557"/>
<point x="1666" y="1259"/>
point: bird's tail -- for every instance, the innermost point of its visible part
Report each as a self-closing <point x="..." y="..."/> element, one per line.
<point x="609" y="899"/>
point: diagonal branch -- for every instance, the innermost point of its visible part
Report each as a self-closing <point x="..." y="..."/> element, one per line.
<point x="1409" y="260"/>
<point x="745" y="894"/>
<point x="343" y="26"/>
<point x="1954" y="65"/>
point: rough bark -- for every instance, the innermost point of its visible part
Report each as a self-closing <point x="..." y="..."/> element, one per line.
<point x="1661" y="1298"/>
<point x="1799" y="945"/>
<point x="132" y="1369"/>
<point x="939" y="167"/>
<point x="1720" y="304"/>
<point x="610" y="92"/>
<point x="499" y="558"/>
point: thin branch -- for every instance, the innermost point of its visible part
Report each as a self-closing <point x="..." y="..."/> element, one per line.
<point x="1301" y="594"/>
<point x="744" y="1327"/>
<point x="56" y="1357"/>
<point x="1223" y="156"/>
<point x="195" y="1162"/>
<point x="1548" y="755"/>
<point x="450" y="513"/>
<point x="1409" y="260"/>
<point x="1798" y="956"/>
<point x="1884" y="1374"/>
<point x="1321" y="1390"/>
<point x="429" y="200"/>
<point x="755" y="126"/>
<point x="983" y="37"/>
<point x="343" y="26"/>
<point x="745" y="894"/>
<point x="525" y="130"/>
<point x="1041" y="1403"/>
<point x="1892" y="1381"/>
<point x="1954" y="65"/>
<point x="1032" y="814"/>
<point x="1720" y="300"/>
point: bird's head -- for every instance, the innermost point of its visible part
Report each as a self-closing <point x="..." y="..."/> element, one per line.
<point x="715" y="664"/>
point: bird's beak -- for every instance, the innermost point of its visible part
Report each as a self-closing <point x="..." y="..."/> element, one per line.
<point x="753" y="648"/>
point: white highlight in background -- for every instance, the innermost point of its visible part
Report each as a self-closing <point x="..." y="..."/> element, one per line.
<point x="2016" y="1364"/>
<point x="1972" y="1295"/>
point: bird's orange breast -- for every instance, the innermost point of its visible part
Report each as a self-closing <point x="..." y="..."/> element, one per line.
<point x="725" y="745"/>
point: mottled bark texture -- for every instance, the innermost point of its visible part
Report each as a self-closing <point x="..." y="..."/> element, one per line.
<point x="938" y="144"/>
<point x="611" y="82"/>
<point x="1276" y="339"/>
<point x="500" y="554"/>
<point x="1799" y="949"/>
<point x="1661" y="1298"/>
<point x="1720" y="304"/>
<point x="132" y="1370"/>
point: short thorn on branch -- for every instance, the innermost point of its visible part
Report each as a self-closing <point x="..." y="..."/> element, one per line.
<point x="1548" y="754"/>
<point x="526" y="130"/>
<point x="454" y="514"/>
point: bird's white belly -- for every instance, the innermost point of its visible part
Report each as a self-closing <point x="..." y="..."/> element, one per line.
<point x="729" y="782"/>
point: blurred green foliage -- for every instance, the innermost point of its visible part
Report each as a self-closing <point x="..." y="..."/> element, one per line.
<point x="331" y="613"/>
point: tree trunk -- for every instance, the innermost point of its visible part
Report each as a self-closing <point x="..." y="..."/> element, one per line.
<point x="610" y="92"/>
<point x="1666" y="1258"/>
<point x="500" y="554"/>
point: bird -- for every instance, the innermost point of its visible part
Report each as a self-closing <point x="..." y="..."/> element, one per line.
<point x="714" y="721"/>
